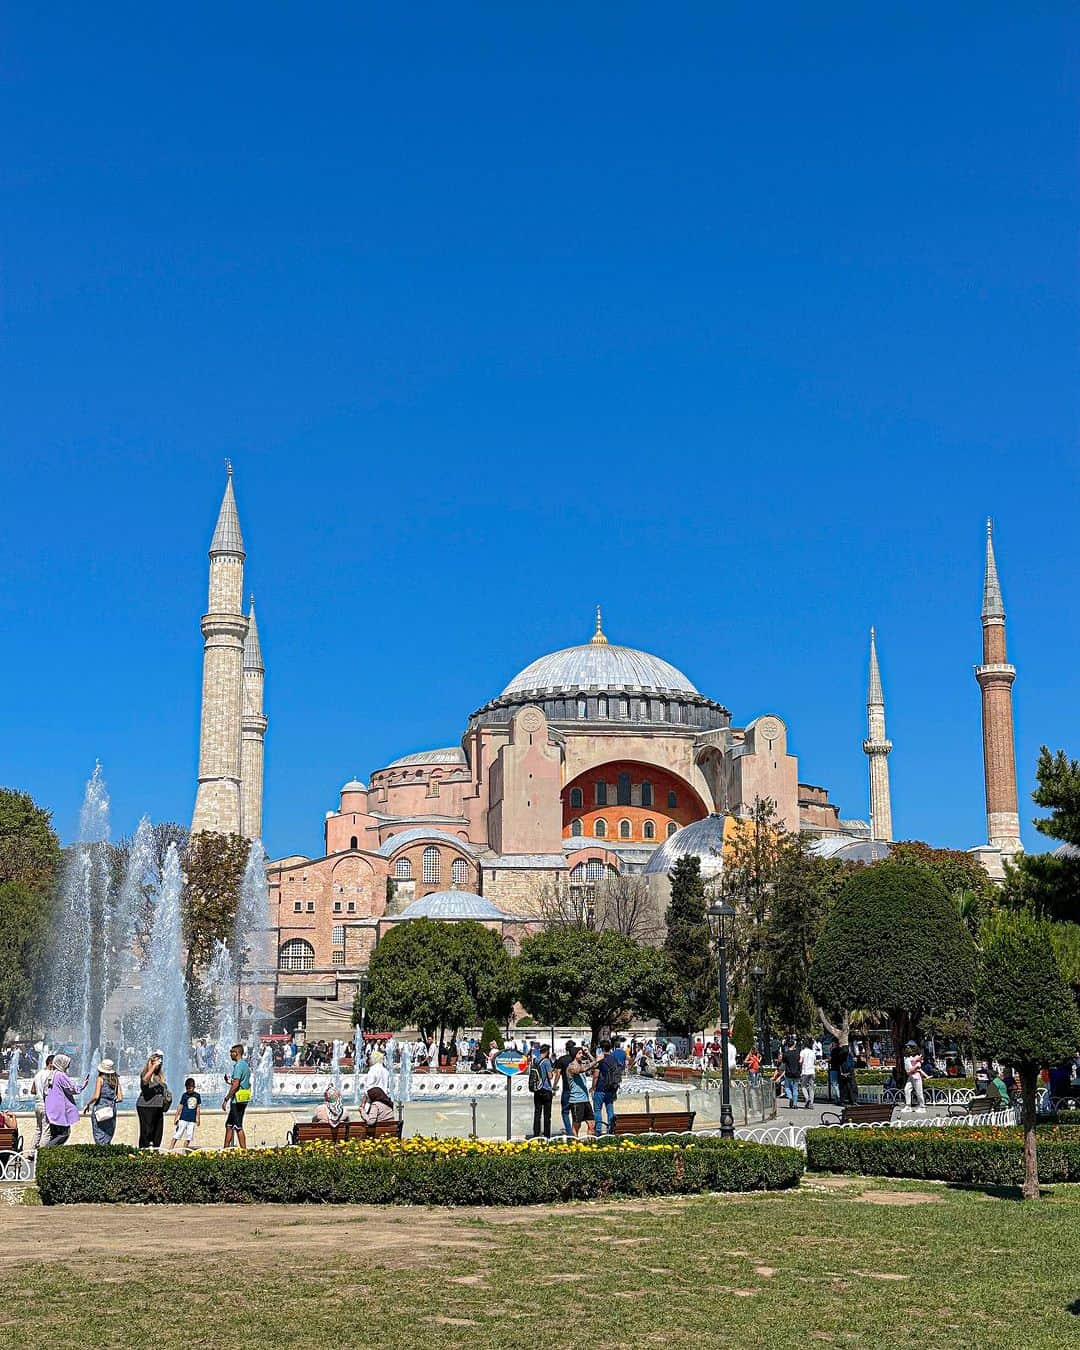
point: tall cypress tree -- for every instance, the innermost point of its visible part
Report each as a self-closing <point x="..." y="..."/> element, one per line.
<point x="693" y="1003"/>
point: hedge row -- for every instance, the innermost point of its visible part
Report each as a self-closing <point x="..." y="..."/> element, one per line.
<point x="441" y="1174"/>
<point x="979" y="1155"/>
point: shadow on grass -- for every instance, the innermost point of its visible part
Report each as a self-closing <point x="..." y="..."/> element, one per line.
<point x="996" y="1192"/>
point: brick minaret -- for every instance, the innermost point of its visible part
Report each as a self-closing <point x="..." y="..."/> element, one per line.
<point x="877" y="747"/>
<point x="995" y="677"/>
<point x="252" y="733"/>
<point x="224" y="628"/>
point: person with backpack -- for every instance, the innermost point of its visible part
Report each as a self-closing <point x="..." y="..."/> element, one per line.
<point x="607" y="1075"/>
<point x="540" y="1085"/>
<point x="562" y="1065"/>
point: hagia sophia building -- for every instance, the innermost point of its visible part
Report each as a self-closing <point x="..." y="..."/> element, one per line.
<point x="594" y="760"/>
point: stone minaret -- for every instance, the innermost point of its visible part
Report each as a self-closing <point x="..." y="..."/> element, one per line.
<point x="995" y="677"/>
<point x="224" y="628"/>
<point x="252" y="733"/>
<point x="877" y="747"/>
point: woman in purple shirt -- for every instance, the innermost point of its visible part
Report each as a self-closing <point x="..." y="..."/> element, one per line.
<point x="61" y="1108"/>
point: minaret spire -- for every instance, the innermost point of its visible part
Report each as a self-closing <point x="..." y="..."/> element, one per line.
<point x="598" y="638"/>
<point x="224" y="629"/>
<point x="877" y="747"/>
<point x="995" y="677"/>
<point x="252" y="732"/>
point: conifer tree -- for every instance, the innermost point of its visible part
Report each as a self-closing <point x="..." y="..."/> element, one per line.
<point x="693" y="1000"/>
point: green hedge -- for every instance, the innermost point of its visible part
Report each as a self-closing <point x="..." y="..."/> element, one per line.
<point x="519" y="1175"/>
<point x="978" y="1155"/>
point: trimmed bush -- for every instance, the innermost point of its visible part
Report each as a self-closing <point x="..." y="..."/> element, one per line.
<point x="414" y="1171"/>
<point x="975" y="1155"/>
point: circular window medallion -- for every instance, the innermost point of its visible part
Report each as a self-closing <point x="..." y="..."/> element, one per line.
<point x="531" y="720"/>
<point x="770" y="728"/>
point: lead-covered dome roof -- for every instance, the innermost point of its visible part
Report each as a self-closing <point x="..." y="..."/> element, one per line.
<point x="703" y="839"/>
<point x="453" y="905"/>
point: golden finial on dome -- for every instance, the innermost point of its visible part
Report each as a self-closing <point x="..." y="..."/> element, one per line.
<point x="598" y="638"/>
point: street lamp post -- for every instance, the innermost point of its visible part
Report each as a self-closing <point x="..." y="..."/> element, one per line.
<point x="363" y="984"/>
<point x="719" y="912"/>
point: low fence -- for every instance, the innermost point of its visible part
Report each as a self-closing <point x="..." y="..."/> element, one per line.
<point x="794" y="1136"/>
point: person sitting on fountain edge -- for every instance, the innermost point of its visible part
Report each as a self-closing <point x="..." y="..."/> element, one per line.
<point x="237" y="1098"/>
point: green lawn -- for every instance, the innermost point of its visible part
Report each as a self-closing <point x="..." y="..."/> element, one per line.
<point x="826" y="1264"/>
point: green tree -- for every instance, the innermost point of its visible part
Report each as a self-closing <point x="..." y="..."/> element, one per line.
<point x="438" y="977"/>
<point x="755" y="852"/>
<point x="894" y="943"/>
<point x="692" y="998"/>
<point x="742" y="1031"/>
<point x="29" y="862"/>
<point x="1025" y="1013"/>
<point x="213" y="874"/>
<point x="1048" y="884"/>
<point x="571" y="974"/>
<point x="491" y="1031"/>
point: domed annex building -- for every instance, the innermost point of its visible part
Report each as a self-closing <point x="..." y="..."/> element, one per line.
<point x="594" y="760"/>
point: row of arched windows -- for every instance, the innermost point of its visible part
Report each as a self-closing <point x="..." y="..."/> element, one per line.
<point x="622" y="792"/>
<point x="431" y="869"/>
<point x="626" y="828"/>
<point x="660" y="711"/>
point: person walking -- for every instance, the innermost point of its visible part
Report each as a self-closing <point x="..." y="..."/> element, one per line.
<point x="188" y="1116"/>
<point x="101" y="1108"/>
<point x="540" y="1082"/>
<point x="791" y="1064"/>
<point x="849" y="1087"/>
<point x="237" y="1097"/>
<point x="42" y="1079"/>
<point x="607" y="1076"/>
<point x="562" y="1081"/>
<point x="153" y="1101"/>
<point x="61" y="1108"/>
<point x="808" y="1073"/>
<point x="913" y="1078"/>
<point x="753" y="1067"/>
<point x="581" y="1110"/>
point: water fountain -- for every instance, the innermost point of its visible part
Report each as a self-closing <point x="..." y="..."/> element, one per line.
<point x="262" y="1081"/>
<point x="166" y="973"/>
<point x="405" y="1075"/>
<point x="221" y="980"/>
<point x="335" y="1065"/>
<point x="130" y="1018"/>
<point x="11" y="1095"/>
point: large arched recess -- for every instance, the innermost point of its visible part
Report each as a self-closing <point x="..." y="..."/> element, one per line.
<point x="582" y="819"/>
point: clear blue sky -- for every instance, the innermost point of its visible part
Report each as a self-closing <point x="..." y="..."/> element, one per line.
<point x="739" y="323"/>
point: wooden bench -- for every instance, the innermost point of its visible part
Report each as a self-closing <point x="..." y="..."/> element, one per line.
<point x="864" y="1113"/>
<point x="654" y="1122"/>
<point x="10" y="1140"/>
<point x="311" y="1132"/>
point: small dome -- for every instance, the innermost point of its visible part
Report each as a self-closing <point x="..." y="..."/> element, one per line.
<point x="453" y="905"/>
<point x="451" y="754"/>
<point x="703" y="839"/>
<point x="354" y="785"/>
<point x="427" y="834"/>
<point x="848" y="849"/>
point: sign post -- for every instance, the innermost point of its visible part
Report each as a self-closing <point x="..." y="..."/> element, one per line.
<point x="510" y="1063"/>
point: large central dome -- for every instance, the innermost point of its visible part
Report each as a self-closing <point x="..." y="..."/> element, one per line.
<point x="600" y="665"/>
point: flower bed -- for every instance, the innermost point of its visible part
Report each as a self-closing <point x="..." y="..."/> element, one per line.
<point x="415" y="1171"/>
<point x="978" y="1155"/>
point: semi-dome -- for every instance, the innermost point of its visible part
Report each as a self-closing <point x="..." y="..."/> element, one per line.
<point x="602" y="665"/>
<point x="452" y="905"/>
<point x="451" y="754"/>
<point x="701" y="838"/>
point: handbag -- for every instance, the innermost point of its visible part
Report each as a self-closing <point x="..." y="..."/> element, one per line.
<point x="104" y="1111"/>
<point x="166" y="1100"/>
<point x="243" y="1095"/>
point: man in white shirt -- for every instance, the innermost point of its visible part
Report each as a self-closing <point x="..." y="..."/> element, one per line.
<point x="913" y="1080"/>
<point x="807" y="1072"/>
<point x="41" y="1085"/>
<point x="378" y="1075"/>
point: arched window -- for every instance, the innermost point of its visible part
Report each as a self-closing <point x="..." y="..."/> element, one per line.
<point x="337" y="945"/>
<point x="575" y="827"/>
<point x="643" y="710"/>
<point x="601" y="794"/>
<point x="646" y="793"/>
<point x="622" y="790"/>
<point x="582" y="708"/>
<point x="661" y="711"/>
<point x="672" y="800"/>
<point x="459" y="871"/>
<point x="575" y="797"/>
<point x="403" y="870"/>
<point x="510" y="946"/>
<point x="352" y="842"/>
<point x="599" y="828"/>
<point x="671" y="828"/>
<point x="624" y="829"/>
<point x="624" y="707"/>
<point x="591" y="871"/>
<point x="601" y="706"/>
<point x="648" y="830"/>
<point x="432" y="866"/>
<point x="296" y="954"/>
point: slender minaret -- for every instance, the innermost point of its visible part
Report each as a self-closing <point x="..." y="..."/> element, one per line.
<point x="877" y="747"/>
<point x="224" y="627"/>
<point x="252" y="733"/>
<point x="995" y="677"/>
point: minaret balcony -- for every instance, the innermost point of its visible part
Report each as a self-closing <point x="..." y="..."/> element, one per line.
<point x="876" y="747"/>
<point x="998" y="672"/>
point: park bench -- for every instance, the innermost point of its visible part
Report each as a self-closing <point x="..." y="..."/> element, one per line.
<point x="10" y="1140"/>
<point x="654" y="1122"/>
<point x="864" y="1113"/>
<point x="310" y="1132"/>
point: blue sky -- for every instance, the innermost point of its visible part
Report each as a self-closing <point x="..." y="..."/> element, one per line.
<point x="739" y="323"/>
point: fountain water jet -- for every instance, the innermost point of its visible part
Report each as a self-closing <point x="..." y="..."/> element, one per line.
<point x="166" y="973"/>
<point x="11" y="1096"/>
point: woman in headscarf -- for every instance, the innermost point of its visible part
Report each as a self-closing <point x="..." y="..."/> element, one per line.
<point x="61" y="1108"/>
<point x="331" y="1110"/>
<point x="101" y="1108"/>
<point x="154" y="1100"/>
<point x="375" y="1106"/>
